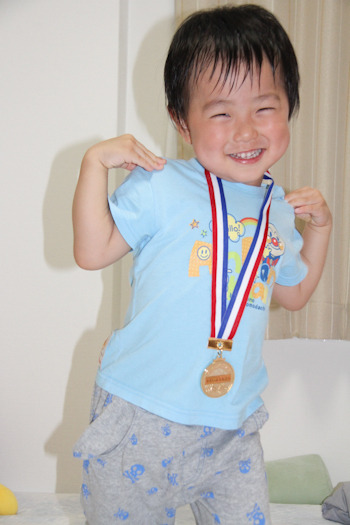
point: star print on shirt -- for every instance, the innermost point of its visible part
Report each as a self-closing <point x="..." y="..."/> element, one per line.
<point x="194" y="224"/>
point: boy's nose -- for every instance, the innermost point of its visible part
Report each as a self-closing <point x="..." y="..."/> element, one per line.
<point x="244" y="130"/>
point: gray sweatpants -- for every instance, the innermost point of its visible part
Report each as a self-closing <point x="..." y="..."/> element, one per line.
<point x="138" y="468"/>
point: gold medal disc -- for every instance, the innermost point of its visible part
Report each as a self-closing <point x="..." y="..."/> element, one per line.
<point x="217" y="378"/>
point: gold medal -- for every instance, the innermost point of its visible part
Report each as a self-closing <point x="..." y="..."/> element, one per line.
<point x="217" y="378"/>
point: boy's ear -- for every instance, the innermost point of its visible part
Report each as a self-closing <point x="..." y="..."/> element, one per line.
<point x="184" y="131"/>
<point x="181" y="127"/>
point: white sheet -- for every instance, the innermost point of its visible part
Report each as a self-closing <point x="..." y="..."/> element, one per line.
<point x="280" y="515"/>
<point x="64" y="509"/>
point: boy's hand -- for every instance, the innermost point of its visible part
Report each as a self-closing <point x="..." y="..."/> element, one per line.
<point x="310" y="206"/>
<point x="125" y="152"/>
<point x="97" y="240"/>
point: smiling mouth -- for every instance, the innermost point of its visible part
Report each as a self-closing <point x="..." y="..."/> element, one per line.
<point x="247" y="155"/>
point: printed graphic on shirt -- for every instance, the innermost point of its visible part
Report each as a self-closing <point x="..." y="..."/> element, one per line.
<point x="241" y="233"/>
<point x="201" y="255"/>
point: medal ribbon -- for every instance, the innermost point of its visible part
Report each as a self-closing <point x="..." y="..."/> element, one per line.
<point x="225" y="319"/>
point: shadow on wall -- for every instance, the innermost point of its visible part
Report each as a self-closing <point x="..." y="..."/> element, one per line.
<point x="57" y="208"/>
<point x="149" y="100"/>
<point x="58" y="243"/>
<point x="78" y="391"/>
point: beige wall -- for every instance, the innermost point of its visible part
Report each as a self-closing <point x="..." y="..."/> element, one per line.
<point x="74" y="73"/>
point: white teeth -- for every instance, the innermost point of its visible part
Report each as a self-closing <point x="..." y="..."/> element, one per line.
<point x="247" y="155"/>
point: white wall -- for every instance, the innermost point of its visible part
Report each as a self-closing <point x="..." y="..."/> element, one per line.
<point x="73" y="73"/>
<point x="308" y="400"/>
<point x="59" y="95"/>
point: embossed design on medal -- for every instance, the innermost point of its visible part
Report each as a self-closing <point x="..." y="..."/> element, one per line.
<point x="218" y="377"/>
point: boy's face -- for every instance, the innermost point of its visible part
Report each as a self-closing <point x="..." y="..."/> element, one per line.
<point x="238" y="134"/>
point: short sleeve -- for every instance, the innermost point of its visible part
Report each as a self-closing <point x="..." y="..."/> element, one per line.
<point x="293" y="269"/>
<point x="133" y="209"/>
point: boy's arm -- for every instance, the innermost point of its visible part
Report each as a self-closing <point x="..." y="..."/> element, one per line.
<point x="97" y="240"/>
<point x="310" y="206"/>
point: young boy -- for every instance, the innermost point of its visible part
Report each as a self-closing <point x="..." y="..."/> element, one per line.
<point x="177" y="409"/>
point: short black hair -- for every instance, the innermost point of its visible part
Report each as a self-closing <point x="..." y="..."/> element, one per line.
<point x="231" y="36"/>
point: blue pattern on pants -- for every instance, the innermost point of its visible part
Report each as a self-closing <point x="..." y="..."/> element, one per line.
<point x="143" y="467"/>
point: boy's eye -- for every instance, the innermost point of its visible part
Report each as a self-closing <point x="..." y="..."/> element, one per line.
<point x="266" y="109"/>
<point x="221" y="115"/>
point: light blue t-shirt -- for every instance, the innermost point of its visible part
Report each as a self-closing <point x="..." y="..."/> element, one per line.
<point x="157" y="359"/>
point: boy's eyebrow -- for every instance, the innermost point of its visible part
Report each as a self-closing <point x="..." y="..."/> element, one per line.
<point x="217" y="102"/>
<point x="227" y="102"/>
<point x="267" y="96"/>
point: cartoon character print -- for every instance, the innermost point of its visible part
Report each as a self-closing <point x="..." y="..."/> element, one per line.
<point x="274" y="250"/>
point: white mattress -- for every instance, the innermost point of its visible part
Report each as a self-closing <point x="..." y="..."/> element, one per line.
<point x="64" y="509"/>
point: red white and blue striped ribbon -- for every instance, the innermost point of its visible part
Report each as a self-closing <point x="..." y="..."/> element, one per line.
<point x="225" y="318"/>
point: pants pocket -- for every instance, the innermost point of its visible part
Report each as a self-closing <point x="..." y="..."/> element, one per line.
<point x="108" y="429"/>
